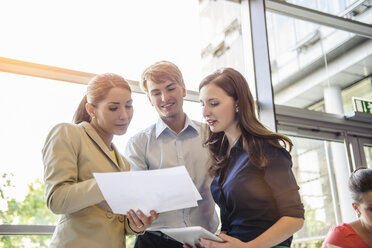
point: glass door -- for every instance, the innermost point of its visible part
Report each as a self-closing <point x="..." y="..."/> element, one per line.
<point x="368" y="154"/>
<point x="366" y="145"/>
<point x="312" y="160"/>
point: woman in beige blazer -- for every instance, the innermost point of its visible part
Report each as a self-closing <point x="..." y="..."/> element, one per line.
<point x="73" y="152"/>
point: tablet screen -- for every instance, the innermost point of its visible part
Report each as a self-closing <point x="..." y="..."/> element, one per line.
<point x="190" y="235"/>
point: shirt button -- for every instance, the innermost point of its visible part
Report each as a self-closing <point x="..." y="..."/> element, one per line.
<point x="109" y="215"/>
<point x="121" y="218"/>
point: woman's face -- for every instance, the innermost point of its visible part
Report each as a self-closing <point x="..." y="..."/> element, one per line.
<point x="114" y="113"/>
<point x="218" y="109"/>
<point x="365" y="209"/>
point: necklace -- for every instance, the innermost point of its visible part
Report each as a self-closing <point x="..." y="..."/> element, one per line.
<point x="232" y="144"/>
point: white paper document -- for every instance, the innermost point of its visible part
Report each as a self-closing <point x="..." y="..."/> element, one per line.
<point x="160" y="190"/>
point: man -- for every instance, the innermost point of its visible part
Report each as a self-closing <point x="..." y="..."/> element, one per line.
<point x="173" y="141"/>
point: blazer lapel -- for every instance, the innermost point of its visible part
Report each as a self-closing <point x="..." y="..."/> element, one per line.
<point x="91" y="132"/>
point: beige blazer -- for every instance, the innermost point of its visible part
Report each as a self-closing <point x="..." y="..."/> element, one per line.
<point x="71" y="154"/>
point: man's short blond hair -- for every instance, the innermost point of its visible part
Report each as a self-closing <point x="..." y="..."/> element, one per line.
<point x="161" y="72"/>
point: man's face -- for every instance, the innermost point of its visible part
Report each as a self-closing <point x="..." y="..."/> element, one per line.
<point x="167" y="98"/>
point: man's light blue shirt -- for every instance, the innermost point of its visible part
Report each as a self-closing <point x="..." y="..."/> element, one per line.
<point x="158" y="147"/>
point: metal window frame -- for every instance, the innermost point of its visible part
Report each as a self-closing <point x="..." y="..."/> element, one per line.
<point x="67" y="75"/>
<point x="321" y="121"/>
<point x="326" y="126"/>
<point x="311" y="15"/>
<point x="255" y="9"/>
<point x="26" y="229"/>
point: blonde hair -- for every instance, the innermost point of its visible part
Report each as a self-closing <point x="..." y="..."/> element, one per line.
<point x="97" y="89"/>
<point x="161" y="72"/>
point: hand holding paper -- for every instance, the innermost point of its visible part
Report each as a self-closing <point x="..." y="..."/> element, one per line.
<point x="160" y="190"/>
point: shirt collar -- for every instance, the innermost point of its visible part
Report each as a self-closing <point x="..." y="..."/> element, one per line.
<point x="161" y="126"/>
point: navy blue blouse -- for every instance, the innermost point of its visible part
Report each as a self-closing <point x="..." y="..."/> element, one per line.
<point x="252" y="199"/>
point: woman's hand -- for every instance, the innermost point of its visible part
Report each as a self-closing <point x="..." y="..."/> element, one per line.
<point x="139" y="222"/>
<point x="230" y="242"/>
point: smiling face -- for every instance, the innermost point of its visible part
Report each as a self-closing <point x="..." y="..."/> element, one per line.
<point x="167" y="98"/>
<point x="218" y="109"/>
<point x="113" y="114"/>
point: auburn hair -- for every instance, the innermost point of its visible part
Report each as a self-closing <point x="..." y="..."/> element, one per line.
<point x="254" y="133"/>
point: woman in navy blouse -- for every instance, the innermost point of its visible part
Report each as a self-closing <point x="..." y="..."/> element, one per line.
<point x="253" y="184"/>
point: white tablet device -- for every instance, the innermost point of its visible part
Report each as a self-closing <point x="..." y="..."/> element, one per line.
<point x="333" y="246"/>
<point x="190" y="235"/>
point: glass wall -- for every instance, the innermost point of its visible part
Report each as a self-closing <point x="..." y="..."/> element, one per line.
<point x="317" y="67"/>
<point x="349" y="9"/>
<point x="368" y="153"/>
<point x="123" y="37"/>
<point x="26" y="241"/>
<point x="30" y="107"/>
<point x="221" y="36"/>
<point x="311" y="164"/>
<point x="103" y="36"/>
<point x="313" y="67"/>
<point x="309" y="62"/>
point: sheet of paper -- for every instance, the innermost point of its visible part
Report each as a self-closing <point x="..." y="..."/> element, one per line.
<point x="160" y="190"/>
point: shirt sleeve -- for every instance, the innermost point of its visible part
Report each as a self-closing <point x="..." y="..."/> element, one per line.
<point x="335" y="236"/>
<point x="280" y="178"/>
<point x="135" y="152"/>
<point x="63" y="192"/>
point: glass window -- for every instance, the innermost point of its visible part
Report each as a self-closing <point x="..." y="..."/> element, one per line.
<point x="222" y="45"/>
<point x="350" y="9"/>
<point x="311" y="4"/>
<point x="322" y="70"/>
<point x="368" y="154"/>
<point x="96" y="37"/>
<point x="8" y="241"/>
<point x="30" y="107"/>
<point x="103" y="36"/>
<point x="311" y="170"/>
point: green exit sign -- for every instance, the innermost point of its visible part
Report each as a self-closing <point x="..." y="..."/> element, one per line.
<point x="362" y="105"/>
